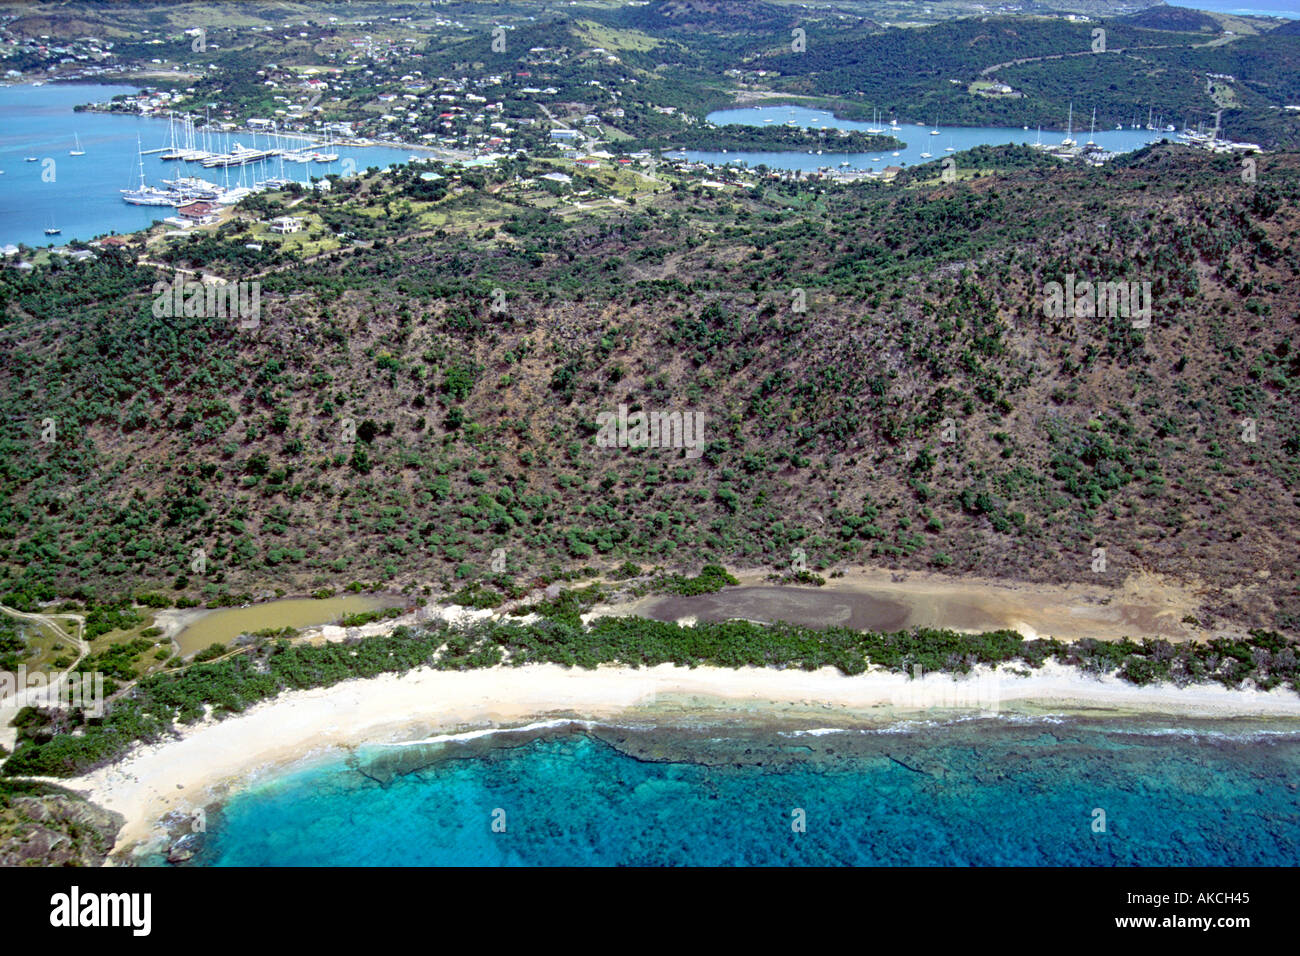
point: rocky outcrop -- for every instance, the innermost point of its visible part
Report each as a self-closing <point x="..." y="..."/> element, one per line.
<point x="54" y="828"/>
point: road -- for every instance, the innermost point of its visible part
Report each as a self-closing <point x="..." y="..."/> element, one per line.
<point x="10" y="706"/>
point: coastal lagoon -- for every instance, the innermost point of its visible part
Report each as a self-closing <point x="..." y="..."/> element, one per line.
<point x="956" y="790"/>
<point x="916" y="138"/>
<point x="224" y="625"/>
<point x="866" y="605"/>
<point x="81" y="195"/>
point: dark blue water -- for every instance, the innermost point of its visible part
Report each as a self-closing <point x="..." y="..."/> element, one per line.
<point x="974" y="792"/>
<point x="81" y="195"/>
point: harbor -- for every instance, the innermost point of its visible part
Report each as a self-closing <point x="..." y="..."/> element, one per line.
<point x="924" y="142"/>
<point x="75" y="175"/>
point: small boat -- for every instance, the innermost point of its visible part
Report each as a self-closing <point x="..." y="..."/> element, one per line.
<point x="925" y="155"/>
<point x="878" y="159"/>
<point x="78" y="151"/>
<point x="31" y="159"/>
<point x="768" y="120"/>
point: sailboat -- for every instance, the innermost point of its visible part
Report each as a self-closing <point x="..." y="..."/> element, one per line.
<point x="78" y="151"/>
<point x="53" y="230"/>
<point x="31" y="159"/>
<point x="1092" y="130"/>
<point x="1069" y="128"/>
<point x="146" y="195"/>
<point x="949" y="148"/>
<point x="935" y="131"/>
<point x="172" y="152"/>
<point x="875" y="127"/>
<point x="328" y="157"/>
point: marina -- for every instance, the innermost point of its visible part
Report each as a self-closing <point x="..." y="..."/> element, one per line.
<point x="137" y="170"/>
<point x="919" y="147"/>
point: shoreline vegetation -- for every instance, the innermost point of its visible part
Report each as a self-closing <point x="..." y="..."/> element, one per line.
<point x="176" y="740"/>
<point x="158" y="787"/>
<point x="553" y="631"/>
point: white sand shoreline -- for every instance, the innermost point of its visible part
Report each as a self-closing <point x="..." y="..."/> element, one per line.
<point x="211" y="758"/>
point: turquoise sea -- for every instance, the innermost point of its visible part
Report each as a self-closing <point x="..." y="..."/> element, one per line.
<point x="956" y="792"/>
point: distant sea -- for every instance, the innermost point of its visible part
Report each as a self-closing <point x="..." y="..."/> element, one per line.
<point x="1043" y="790"/>
<point x="1264" y="8"/>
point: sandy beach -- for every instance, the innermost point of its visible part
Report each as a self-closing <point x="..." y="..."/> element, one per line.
<point x="215" y="756"/>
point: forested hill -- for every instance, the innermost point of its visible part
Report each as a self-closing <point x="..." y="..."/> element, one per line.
<point x="1179" y="19"/>
<point x="1159" y="64"/>
<point x="384" y="422"/>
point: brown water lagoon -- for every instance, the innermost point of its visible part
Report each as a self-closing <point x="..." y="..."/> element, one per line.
<point x="225" y="624"/>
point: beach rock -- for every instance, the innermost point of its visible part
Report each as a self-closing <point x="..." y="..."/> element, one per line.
<point x="183" y="849"/>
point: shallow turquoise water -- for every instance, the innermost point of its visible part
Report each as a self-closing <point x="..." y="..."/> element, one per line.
<point x="981" y="792"/>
